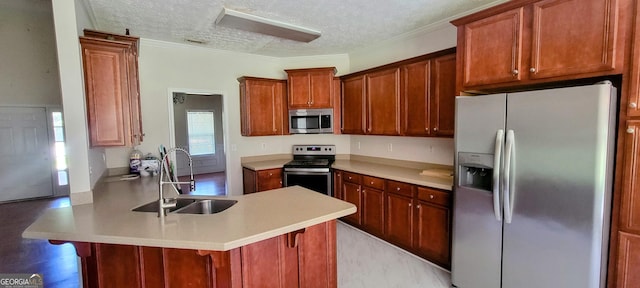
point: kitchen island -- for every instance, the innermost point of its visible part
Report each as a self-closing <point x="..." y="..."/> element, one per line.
<point x="280" y="238"/>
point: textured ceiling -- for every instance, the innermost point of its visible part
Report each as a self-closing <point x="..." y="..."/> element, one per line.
<point x="346" y="25"/>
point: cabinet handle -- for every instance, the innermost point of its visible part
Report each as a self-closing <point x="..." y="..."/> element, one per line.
<point x="426" y="129"/>
<point x="515" y="72"/>
<point x="630" y="130"/>
<point x="633" y="105"/>
<point x="338" y="175"/>
<point x="532" y="70"/>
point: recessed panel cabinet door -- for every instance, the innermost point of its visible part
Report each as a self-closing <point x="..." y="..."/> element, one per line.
<point x="353" y="102"/>
<point x="351" y="194"/>
<point x="399" y="220"/>
<point x="493" y="49"/>
<point x="630" y="209"/>
<point x="572" y="37"/>
<point x="416" y="103"/>
<point x="628" y="261"/>
<point x="443" y="95"/>
<point x="584" y="44"/>
<point x="373" y="210"/>
<point x="383" y="102"/>
<point x="432" y="233"/>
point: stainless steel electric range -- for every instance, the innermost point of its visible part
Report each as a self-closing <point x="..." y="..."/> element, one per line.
<point x="311" y="168"/>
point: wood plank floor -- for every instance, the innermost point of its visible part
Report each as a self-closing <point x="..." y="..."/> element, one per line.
<point x="58" y="263"/>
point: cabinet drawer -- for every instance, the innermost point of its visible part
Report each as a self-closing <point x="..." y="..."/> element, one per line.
<point x="434" y="196"/>
<point x="400" y="188"/>
<point x="373" y="182"/>
<point x="269" y="179"/>
<point x="351" y="177"/>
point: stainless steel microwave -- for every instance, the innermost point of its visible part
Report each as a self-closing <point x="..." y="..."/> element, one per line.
<point x="310" y="121"/>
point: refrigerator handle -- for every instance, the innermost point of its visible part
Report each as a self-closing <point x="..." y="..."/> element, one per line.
<point x="496" y="174"/>
<point x="508" y="184"/>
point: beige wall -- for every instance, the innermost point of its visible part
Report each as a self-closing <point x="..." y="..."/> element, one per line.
<point x="29" y="67"/>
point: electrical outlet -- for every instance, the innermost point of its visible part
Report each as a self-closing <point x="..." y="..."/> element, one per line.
<point x="264" y="146"/>
<point x="358" y="145"/>
<point x="390" y="147"/>
<point x="90" y="170"/>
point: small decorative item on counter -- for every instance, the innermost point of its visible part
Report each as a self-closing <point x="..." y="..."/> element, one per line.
<point x="150" y="165"/>
<point x="135" y="161"/>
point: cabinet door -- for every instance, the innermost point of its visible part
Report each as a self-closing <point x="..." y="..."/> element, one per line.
<point x="399" y="220"/>
<point x="337" y="184"/>
<point x="492" y="49"/>
<point x="628" y="261"/>
<point x="269" y="179"/>
<point x="299" y="90"/>
<point x="321" y="85"/>
<point x="353" y="100"/>
<point x="310" y="88"/>
<point x="262" y="107"/>
<point x="634" y="80"/>
<point x="107" y="92"/>
<point x="444" y="95"/>
<point x="373" y="211"/>
<point x="383" y="102"/>
<point x="630" y="209"/>
<point x="351" y="194"/>
<point x="572" y="37"/>
<point x="249" y="181"/>
<point x="432" y="233"/>
<point x="416" y="92"/>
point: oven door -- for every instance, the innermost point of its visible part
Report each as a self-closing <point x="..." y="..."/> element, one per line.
<point x="317" y="181"/>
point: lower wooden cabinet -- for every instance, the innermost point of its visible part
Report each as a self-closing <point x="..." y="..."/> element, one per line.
<point x="415" y="218"/>
<point x="304" y="258"/>
<point x="628" y="261"/>
<point x="261" y="180"/>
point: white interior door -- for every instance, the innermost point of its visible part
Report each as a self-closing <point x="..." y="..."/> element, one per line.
<point x="25" y="167"/>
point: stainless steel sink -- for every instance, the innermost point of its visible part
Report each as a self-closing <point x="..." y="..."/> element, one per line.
<point x="190" y="206"/>
<point x="207" y="206"/>
<point x="153" y="206"/>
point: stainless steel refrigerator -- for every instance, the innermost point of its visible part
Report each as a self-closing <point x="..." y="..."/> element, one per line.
<point x="532" y="188"/>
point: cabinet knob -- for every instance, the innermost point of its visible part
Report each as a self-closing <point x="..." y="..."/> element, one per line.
<point x="409" y="204"/>
<point x="349" y="177"/>
<point x="633" y="105"/>
<point x="426" y="129"/>
<point x="515" y="72"/>
<point x="338" y="174"/>
<point x="431" y="196"/>
<point x="280" y="182"/>
<point x="398" y="188"/>
<point x="418" y="206"/>
<point x="532" y="70"/>
<point x="630" y="130"/>
<point x="270" y="174"/>
<point x="435" y="129"/>
<point x="371" y="182"/>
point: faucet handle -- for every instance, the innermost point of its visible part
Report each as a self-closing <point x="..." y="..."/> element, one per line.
<point x="192" y="185"/>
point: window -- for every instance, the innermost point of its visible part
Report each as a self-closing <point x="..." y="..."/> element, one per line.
<point x="201" y="132"/>
<point x="60" y="151"/>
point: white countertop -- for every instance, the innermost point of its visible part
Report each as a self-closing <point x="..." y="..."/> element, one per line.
<point x="396" y="173"/>
<point x="265" y="164"/>
<point x="255" y="217"/>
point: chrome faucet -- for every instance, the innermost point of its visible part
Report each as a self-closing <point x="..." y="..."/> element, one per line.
<point x="163" y="203"/>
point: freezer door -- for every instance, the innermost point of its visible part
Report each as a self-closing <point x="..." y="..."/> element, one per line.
<point x="559" y="186"/>
<point x="477" y="233"/>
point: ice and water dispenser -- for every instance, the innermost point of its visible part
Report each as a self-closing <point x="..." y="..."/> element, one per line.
<point x="475" y="170"/>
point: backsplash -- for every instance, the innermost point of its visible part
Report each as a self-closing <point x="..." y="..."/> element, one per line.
<point x="417" y="149"/>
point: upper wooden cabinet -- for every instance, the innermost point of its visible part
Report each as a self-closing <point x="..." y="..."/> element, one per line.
<point x="383" y="102"/>
<point x="526" y="41"/>
<point x="633" y="108"/>
<point x="428" y="94"/>
<point x="111" y="89"/>
<point x="262" y="108"/>
<point x="353" y="105"/>
<point x="310" y="88"/>
<point x="414" y="97"/>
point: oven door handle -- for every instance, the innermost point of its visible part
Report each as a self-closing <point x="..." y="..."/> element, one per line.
<point x="307" y="170"/>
